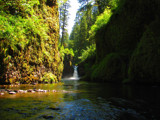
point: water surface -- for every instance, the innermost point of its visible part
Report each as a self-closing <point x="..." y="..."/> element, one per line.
<point x="79" y="100"/>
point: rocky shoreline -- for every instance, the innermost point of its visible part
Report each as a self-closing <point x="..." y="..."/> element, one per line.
<point x="12" y="92"/>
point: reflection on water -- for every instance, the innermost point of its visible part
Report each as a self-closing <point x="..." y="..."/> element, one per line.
<point x="76" y="99"/>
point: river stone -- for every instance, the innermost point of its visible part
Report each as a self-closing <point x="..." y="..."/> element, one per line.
<point x="20" y="91"/>
<point x="12" y="92"/>
<point x="17" y="91"/>
<point x="1" y="93"/>
<point x="30" y="90"/>
<point x="54" y="91"/>
<point x="2" y="90"/>
<point x="39" y="90"/>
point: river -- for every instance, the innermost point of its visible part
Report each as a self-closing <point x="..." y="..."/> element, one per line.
<point x="80" y="100"/>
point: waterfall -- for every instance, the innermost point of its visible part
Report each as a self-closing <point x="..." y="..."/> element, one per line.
<point x="75" y="73"/>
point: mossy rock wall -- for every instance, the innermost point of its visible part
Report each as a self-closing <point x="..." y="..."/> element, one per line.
<point x="111" y="68"/>
<point x="29" y="41"/>
<point x="144" y="64"/>
<point x="127" y="29"/>
<point x="68" y="67"/>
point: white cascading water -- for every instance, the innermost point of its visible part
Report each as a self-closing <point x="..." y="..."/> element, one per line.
<point x="75" y="74"/>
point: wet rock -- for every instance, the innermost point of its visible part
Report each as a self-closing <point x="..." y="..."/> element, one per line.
<point x="54" y="108"/>
<point x="8" y="90"/>
<point x="64" y="91"/>
<point x="30" y="90"/>
<point x="39" y="90"/>
<point x="17" y="91"/>
<point x="45" y="91"/>
<point x="12" y="92"/>
<point x="48" y="116"/>
<point x="34" y="83"/>
<point x="2" y="90"/>
<point x="130" y="116"/>
<point x="1" y="93"/>
<point x="136" y="104"/>
<point x="132" y="110"/>
<point x="24" y="91"/>
<point x="20" y="91"/>
<point x="54" y="91"/>
<point x="120" y="102"/>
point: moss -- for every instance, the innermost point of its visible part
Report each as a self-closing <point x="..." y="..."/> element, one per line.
<point x="29" y="40"/>
<point x="49" y="78"/>
<point x="144" y="64"/>
<point x="125" y="28"/>
<point x="116" y="44"/>
<point x="111" y="68"/>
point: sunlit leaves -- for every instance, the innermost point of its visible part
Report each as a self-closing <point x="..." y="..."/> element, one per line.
<point x="90" y="51"/>
<point x="61" y="2"/>
<point x="16" y="29"/>
<point x="66" y="51"/>
<point x="49" y="77"/>
<point x="101" y="20"/>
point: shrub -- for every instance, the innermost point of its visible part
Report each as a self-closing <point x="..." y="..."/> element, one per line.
<point x="49" y="77"/>
<point x="101" y="20"/>
<point x="89" y="52"/>
<point x="111" y="68"/>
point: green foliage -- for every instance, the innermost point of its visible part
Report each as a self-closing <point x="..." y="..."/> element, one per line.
<point x="89" y="52"/>
<point x="18" y="32"/>
<point x="114" y="4"/>
<point x="18" y="7"/>
<point x="118" y="56"/>
<point x="144" y="63"/>
<point x="49" y="78"/>
<point x="112" y="65"/>
<point x="102" y="20"/>
<point x="61" y="2"/>
<point x="66" y="51"/>
<point x="29" y="32"/>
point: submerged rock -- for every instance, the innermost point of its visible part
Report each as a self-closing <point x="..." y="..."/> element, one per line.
<point x="103" y="110"/>
<point x="48" y="116"/>
<point x="54" y="108"/>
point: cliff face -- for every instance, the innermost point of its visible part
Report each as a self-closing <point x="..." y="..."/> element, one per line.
<point x="128" y="46"/>
<point x="29" y="41"/>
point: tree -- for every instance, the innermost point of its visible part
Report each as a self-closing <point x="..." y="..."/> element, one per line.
<point x="86" y="16"/>
<point x="63" y="10"/>
<point x="83" y="33"/>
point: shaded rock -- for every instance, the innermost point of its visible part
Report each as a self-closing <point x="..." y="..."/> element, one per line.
<point x="17" y="91"/>
<point x="144" y="65"/>
<point x="48" y="116"/>
<point x="132" y="110"/>
<point x="120" y="102"/>
<point x="130" y="116"/>
<point x="30" y="90"/>
<point x="2" y="90"/>
<point x="137" y="104"/>
<point x="54" y="108"/>
<point x="20" y="91"/>
<point x="8" y="90"/>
